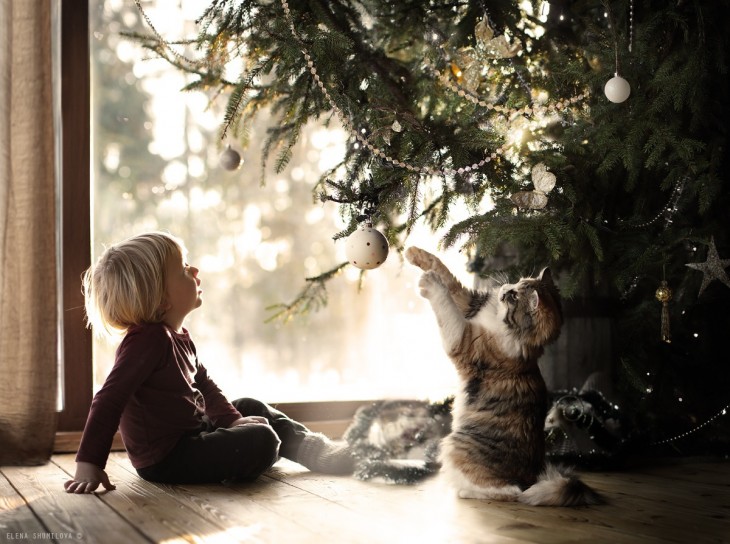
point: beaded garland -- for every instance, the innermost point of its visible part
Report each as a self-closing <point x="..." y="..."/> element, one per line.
<point x="360" y="137"/>
<point x="461" y="92"/>
<point x="428" y="170"/>
<point x="526" y="110"/>
<point x="667" y="212"/>
<point x="164" y="42"/>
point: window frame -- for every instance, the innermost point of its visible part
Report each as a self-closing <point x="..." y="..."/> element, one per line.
<point x="331" y="417"/>
<point x="76" y="350"/>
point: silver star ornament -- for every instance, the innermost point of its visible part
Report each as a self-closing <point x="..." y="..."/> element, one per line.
<point x="713" y="268"/>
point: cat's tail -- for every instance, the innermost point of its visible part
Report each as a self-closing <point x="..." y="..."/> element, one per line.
<point x="558" y="486"/>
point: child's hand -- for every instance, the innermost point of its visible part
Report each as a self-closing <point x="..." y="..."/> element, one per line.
<point x="87" y="478"/>
<point x="249" y="420"/>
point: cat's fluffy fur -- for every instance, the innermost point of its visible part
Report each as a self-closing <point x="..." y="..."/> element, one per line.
<point x="496" y="448"/>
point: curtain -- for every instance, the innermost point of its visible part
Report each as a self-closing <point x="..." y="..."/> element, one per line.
<point x="28" y="293"/>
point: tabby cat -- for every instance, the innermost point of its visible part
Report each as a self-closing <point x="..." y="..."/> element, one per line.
<point x="496" y="448"/>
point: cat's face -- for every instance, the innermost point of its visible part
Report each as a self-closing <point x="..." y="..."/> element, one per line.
<point x="531" y="309"/>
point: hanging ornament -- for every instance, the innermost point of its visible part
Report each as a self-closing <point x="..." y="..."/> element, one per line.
<point x="544" y="182"/>
<point x="617" y="89"/>
<point x="470" y="64"/>
<point x="713" y="268"/>
<point x="664" y="295"/>
<point x="230" y="159"/>
<point x="489" y="46"/>
<point x="366" y="248"/>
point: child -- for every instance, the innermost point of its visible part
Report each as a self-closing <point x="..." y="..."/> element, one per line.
<point x="176" y="424"/>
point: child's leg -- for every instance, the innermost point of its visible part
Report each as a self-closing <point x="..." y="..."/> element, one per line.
<point x="313" y="450"/>
<point x="224" y="455"/>
<point x="290" y="432"/>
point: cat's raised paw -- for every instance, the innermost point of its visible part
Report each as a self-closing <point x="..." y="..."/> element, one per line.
<point x="430" y="282"/>
<point x="419" y="257"/>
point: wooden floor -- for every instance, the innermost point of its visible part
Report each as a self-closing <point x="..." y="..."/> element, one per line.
<point x="686" y="502"/>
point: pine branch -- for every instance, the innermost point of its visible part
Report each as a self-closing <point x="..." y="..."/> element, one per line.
<point x="311" y="298"/>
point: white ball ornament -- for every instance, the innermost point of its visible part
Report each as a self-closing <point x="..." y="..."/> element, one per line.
<point x="230" y="159"/>
<point x="366" y="248"/>
<point x="617" y="89"/>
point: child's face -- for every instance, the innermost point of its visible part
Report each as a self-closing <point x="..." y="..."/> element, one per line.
<point x="182" y="290"/>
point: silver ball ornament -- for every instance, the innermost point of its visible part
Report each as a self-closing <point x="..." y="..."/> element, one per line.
<point x="366" y="248"/>
<point x="617" y="89"/>
<point x="230" y="159"/>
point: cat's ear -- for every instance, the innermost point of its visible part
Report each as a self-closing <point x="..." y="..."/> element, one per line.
<point x="533" y="300"/>
<point x="546" y="276"/>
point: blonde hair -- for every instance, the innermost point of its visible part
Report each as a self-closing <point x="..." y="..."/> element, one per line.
<point x="126" y="286"/>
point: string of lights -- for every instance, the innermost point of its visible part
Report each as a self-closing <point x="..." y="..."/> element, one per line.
<point x="722" y="412"/>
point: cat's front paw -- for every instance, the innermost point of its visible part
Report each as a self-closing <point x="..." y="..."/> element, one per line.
<point x="419" y="257"/>
<point x="430" y="284"/>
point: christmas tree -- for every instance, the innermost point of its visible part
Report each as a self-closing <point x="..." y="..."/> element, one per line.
<point x="504" y="106"/>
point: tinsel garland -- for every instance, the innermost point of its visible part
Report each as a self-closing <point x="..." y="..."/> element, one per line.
<point x="397" y="440"/>
<point x="583" y="428"/>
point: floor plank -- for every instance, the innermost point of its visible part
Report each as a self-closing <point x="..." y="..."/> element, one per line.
<point x="713" y="472"/>
<point x="652" y="504"/>
<point x="384" y="513"/>
<point x="16" y="517"/>
<point x="256" y="512"/>
<point x="151" y="508"/>
<point x="458" y="520"/>
<point x="81" y="518"/>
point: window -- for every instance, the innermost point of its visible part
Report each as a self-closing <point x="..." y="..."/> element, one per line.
<point x="155" y="166"/>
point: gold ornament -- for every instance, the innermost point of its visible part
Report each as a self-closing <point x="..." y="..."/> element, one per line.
<point x="467" y="69"/>
<point x="458" y="74"/>
<point x="664" y="295"/>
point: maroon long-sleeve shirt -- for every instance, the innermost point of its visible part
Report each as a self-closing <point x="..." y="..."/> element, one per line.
<point x="156" y="392"/>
